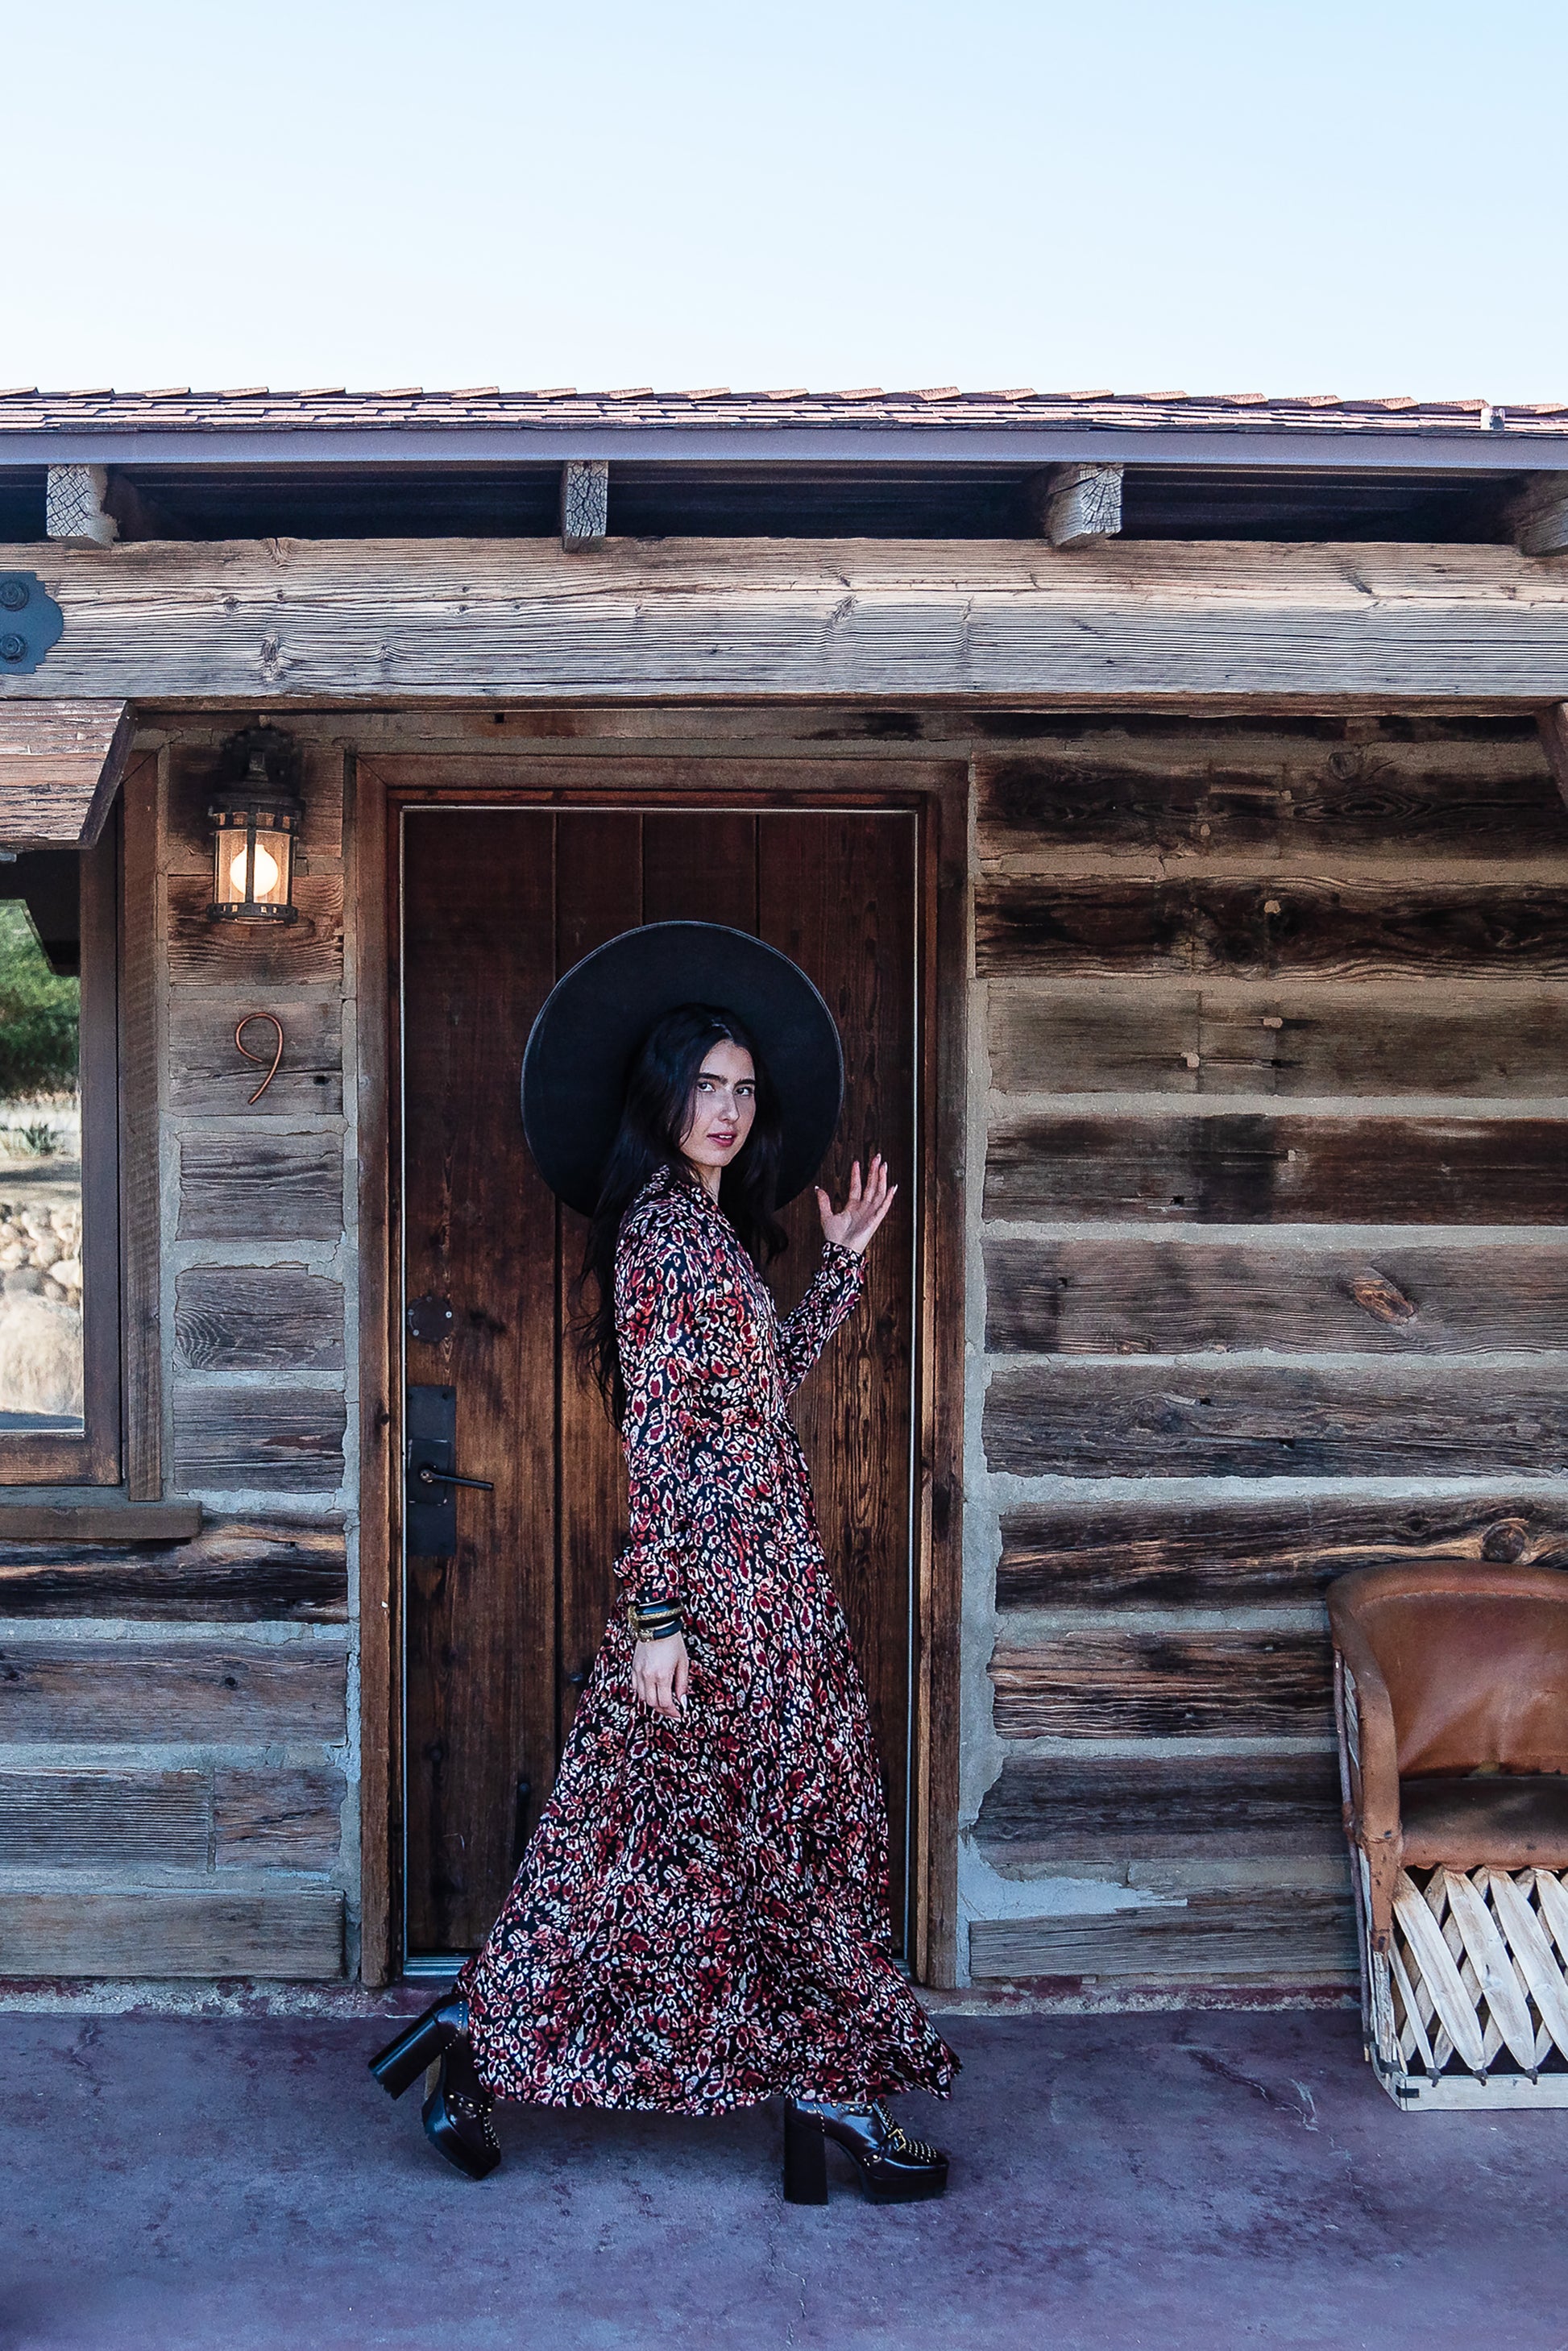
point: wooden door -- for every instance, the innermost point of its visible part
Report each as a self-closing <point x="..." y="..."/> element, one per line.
<point x="496" y="902"/>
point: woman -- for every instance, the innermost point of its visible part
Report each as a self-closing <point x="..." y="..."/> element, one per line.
<point x="700" y="1920"/>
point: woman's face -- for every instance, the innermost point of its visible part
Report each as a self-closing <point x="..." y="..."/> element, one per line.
<point x="723" y="1106"/>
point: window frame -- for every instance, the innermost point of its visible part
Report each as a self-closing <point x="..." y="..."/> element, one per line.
<point x="91" y="1456"/>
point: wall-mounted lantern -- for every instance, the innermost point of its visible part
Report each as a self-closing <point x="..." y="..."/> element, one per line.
<point x="256" y="820"/>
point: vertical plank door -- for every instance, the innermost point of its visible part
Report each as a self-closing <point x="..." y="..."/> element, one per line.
<point x="480" y="1232"/>
<point x="497" y="904"/>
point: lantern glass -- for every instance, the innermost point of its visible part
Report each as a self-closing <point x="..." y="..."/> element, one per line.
<point x="253" y="858"/>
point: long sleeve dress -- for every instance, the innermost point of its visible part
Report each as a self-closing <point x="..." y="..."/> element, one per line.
<point x="701" y="1919"/>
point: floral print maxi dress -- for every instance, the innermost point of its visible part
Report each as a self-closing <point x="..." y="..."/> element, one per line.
<point x="701" y="1919"/>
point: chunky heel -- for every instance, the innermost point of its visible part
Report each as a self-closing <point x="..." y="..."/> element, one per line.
<point x="399" y="2064"/>
<point x="805" y="2159"/>
<point x="892" y="2168"/>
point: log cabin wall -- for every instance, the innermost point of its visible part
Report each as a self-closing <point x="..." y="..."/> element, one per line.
<point x="177" y="1734"/>
<point x="1269" y="1282"/>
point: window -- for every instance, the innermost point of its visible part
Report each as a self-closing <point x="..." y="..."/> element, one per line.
<point x="59" y="1279"/>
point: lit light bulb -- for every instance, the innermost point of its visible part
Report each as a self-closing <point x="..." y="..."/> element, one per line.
<point x="265" y="874"/>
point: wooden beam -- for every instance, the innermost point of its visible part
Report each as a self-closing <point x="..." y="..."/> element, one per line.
<point x="1539" y="517"/>
<point x="73" y="505"/>
<point x="60" y="765"/>
<point x="1081" y="503"/>
<point x="101" y="1522"/>
<point x="1553" y="726"/>
<point x="584" y="502"/>
<point x="390" y="621"/>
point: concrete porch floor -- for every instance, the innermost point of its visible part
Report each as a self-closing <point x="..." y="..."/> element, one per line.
<point x="1211" y="2180"/>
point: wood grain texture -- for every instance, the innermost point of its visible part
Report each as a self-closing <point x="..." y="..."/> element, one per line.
<point x="108" y="1520"/>
<point x="1264" y="1168"/>
<point x="244" y="1184"/>
<point x="1281" y="925"/>
<point x="1172" y="1554"/>
<point x="941" y="1281"/>
<point x="371" y="877"/>
<point x="1121" y="1809"/>
<point x="202" y="952"/>
<point x="233" y="1570"/>
<point x="276" y="1819"/>
<point x="1303" y="1037"/>
<point x="60" y="765"/>
<point x="210" y="1078"/>
<point x="480" y="1712"/>
<point x="612" y="867"/>
<point x="290" y="1933"/>
<point x="1171" y="1684"/>
<point x="141" y="1058"/>
<point x="53" y="1819"/>
<point x="1324" y="787"/>
<point x="243" y="1318"/>
<point x="837" y="893"/>
<point x="1159" y="1298"/>
<point x="251" y="622"/>
<point x="251" y="1692"/>
<point x="1278" y="1937"/>
<point x="271" y="1440"/>
<point x="1225" y="1420"/>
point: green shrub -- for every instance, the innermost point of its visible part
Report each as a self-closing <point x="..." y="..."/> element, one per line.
<point x="38" y="1014"/>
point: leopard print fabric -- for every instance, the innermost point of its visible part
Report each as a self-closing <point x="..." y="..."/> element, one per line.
<point x="701" y="1918"/>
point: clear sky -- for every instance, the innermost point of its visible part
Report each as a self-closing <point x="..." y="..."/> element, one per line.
<point x="1309" y="196"/>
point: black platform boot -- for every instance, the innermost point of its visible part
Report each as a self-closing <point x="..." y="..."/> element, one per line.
<point x="456" y="2114"/>
<point x="894" y="2167"/>
<point x="403" y="2061"/>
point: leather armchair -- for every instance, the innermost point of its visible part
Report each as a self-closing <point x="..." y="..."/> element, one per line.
<point x="1451" y="1693"/>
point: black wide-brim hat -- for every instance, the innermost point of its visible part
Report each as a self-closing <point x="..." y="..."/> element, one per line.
<point x="581" y="1048"/>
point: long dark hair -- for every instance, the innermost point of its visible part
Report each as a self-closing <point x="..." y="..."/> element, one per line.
<point x="653" y="1119"/>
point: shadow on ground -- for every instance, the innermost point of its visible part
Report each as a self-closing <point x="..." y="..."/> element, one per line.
<point x="1160" y="2182"/>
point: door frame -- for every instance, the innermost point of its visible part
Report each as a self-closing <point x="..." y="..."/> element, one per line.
<point x="601" y="775"/>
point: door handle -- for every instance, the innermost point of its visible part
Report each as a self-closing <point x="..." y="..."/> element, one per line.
<point x="430" y="1516"/>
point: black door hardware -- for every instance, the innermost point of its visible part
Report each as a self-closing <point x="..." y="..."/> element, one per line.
<point x="430" y="1516"/>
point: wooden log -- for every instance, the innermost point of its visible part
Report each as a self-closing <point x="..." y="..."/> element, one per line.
<point x="1121" y="1809"/>
<point x="1177" y="1554"/>
<point x="1278" y="1937"/>
<point x="1540" y="514"/>
<point x="109" y="1520"/>
<point x="246" y="622"/>
<point x="1175" y="1683"/>
<point x="240" y="1440"/>
<point x="210" y="1077"/>
<point x="1269" y="790"/>
<point x="1081" y="503"/>
<point x="250" y="1183"/>
<point x="255" y="955"/>
<point x="234" y="1570"/>
<point x="60" y="765"/>
<point x="244" y="1692"/>
<point x="55" y="1819"/>
<point x="1260" y="1169"/>
<point x="280" y="1820"/>
<point x="1220" y="1420"/>
<point x="584" y="502"/>
<point x="289" y="1933"/>
<point x="1554" y="725"/>
<point x="243" y="1318"/>
<point x="1280" y="925"/>
<point x="1167" y="1298"/>
<point x="1303" y="1037"/>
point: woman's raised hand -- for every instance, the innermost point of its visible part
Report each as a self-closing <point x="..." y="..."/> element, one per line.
<point x="852" y="1225"/>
